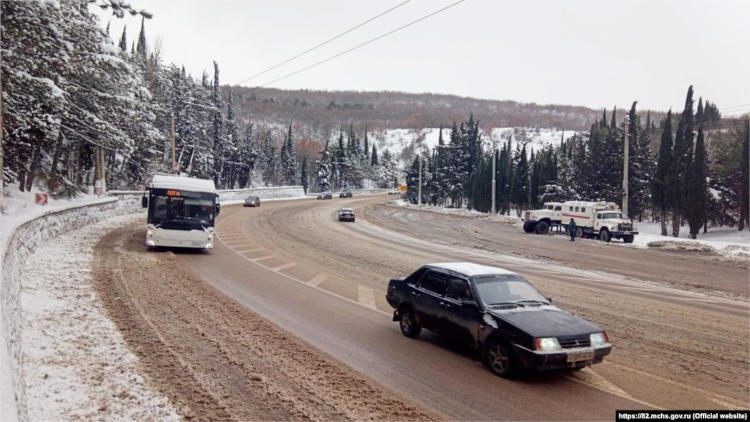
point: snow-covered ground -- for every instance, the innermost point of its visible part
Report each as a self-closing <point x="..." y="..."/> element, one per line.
<point x="19" y="207"/>
<point x="725" y="241"/>
<point x="76" y="363"/>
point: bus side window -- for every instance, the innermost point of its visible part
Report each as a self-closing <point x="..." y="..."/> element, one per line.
<point x="577" y="209"/>
<point x="558" y="208"/>
<point x="583" y="209"/>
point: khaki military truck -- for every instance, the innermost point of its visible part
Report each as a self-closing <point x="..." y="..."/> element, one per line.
<point x="602" y="220"/>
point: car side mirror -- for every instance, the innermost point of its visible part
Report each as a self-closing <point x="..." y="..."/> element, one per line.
<point x="549" y="299"/>
<point x="144" y="201"/>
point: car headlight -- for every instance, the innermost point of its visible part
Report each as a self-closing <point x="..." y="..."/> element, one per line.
<point x="598" y="339"/>
<point x="149" y="232"/>
<point x="547" y="344"/>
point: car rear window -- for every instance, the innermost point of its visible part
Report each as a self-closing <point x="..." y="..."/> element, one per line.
<point x="434" y="282"/>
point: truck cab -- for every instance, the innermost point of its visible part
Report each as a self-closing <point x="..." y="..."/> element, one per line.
<point x="609" y="223"/>
<point x="541" y="220"/>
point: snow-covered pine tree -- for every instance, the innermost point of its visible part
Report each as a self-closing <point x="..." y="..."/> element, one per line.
<point x="248" y="155"/>
<point x="219" y="147"/>
<point x="322" y="179"/>
<point x="288" y="160"/>
<point x="232" y="140"/>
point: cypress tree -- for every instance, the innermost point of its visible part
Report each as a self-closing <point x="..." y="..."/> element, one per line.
<point x="696" y="195"/>
<point x="660" y="193"/>
<point x="141" y="48"/>
<point x="303" y="175"/>
<point x="123" y="40"/>
<point x="374" y="156"/>
<point x="683" y="146"/>
<point x="745" y="172"/>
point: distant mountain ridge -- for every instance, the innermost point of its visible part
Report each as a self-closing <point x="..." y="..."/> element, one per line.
<point x="321" y="112"/>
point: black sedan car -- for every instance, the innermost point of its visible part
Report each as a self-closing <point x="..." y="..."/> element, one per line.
<point x="497" y="312"/>
<point x="325" y="195"/>
<point x="345" y="194"/>
<point x="251" y="201"/>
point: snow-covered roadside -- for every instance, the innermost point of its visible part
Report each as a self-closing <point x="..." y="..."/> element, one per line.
<point x="726" y="241"/>
<point x="19" y="208"/>
<point x="76" y="363"/>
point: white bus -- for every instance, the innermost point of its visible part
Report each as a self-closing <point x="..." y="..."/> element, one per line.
<point x="181" y="212"/>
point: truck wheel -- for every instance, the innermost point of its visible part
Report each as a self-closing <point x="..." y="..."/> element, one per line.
<point x="628" y="238"/>
<point x="542" y="227"/>
<point x="528" y="227"/>
<point x="408" y="323"/>
<point x="497" y="358"/>
<point x="604" y="235"/>
<point x="579" y="232"/>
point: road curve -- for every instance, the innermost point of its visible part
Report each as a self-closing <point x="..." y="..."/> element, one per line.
<point x="324" y="281"/>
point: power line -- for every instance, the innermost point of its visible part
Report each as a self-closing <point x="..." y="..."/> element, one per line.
<point x="735" y="106"/>
<point x="277" y="65"/>
<point x="363" y="44"/>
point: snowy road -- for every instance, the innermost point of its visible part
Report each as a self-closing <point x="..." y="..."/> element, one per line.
<point x="674" y="348"/>
<point x="323" y="282"/>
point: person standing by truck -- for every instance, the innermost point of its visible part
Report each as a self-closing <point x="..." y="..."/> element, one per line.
<point x="572" y="229"/>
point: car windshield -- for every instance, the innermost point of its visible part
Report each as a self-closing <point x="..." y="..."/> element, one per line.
<point x="611" y="215"/>
<point x="511" y="289"/>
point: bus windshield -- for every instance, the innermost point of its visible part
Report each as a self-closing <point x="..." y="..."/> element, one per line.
<point x="181" y="210"/>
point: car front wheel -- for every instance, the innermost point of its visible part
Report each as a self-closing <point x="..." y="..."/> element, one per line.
<point x="497" y="358"/>
<point x="408" y="323"/>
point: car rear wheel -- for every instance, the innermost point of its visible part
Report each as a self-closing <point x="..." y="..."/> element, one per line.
<point x="408" y="324"/>
<point x="497" y="358"/>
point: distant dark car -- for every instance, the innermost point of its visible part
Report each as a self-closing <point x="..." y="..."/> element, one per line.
<point x="325" y="195"/>
<point x="346" y="214"/>
<point x="394" y="192"/>
<point x="498" y="313"/>
<point x="251" y="201"/>
<point x="345" y="194"/>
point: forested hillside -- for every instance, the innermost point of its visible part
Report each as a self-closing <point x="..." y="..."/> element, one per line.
<point x="325" y="111"/>
<point x="699" y="174"/>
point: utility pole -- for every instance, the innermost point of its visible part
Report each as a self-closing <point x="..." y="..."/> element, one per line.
<point x="494" y="182"/>
<point x="626" y="158"/>
<point x="174" y="161"/>
<point x="419" y="189"/>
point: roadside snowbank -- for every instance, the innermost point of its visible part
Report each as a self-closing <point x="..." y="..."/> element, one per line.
<point x="24" y="226"/>
<point x="76" y="365"/>
<point x="724" y="241"/>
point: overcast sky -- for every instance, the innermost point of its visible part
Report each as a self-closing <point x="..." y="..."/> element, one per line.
<point x="595" y="53"/>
